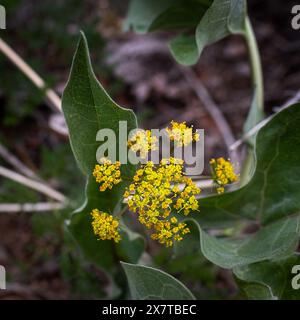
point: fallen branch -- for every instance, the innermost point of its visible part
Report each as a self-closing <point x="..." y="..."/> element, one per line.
<point x="294" y="99"/>
<point x="212" y="109"/>
<point x="16" y="163"/>
<point x="255" y="129"/>
<point x="250" y="133"/>
<point x="35" y="185"/>
<point x="55" y="102"/>
<point x="53" y="98"/>
<point x="30" y="207"/>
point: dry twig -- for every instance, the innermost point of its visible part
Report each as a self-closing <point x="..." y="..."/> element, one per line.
<point x="16" y="163"/>
<point x="211" y="107"/>
<point x="35" y="185"/>
<point x="30" y="207"/>
<point x="255" y="129"/>
<point x="53" y="98"/>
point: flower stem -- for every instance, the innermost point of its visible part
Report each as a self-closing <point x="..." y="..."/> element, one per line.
<point x="121" y="212"/>
<point x="257" y="75"/>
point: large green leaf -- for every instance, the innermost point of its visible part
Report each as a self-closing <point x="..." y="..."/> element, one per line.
<point x="277" y="240"/>
<point x="269" y="279"/>
<point x="274" y="189"/>
<point x="146" y="283"/>
<point x="149" y="15"/>
<point x="203" y="21"/>
<point x="87" y="109"/>
<point x="184" y="14"/>
<point x="184" y="49"/>
<point x="270" y="201"/>
<point x="221" y="19"/>
<point x="132" y="245"/>
<point x="142" y="13"/>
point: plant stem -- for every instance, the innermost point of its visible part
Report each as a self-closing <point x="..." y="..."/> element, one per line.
<point x="52" y="97"/>
<point x="17" y="164"/>
<point x="35" y="185"/>
<point x="212" y="109"/>
<point x="121" y="212"/>
<point x="30" y="207"/>
<point x="257" y="75"/>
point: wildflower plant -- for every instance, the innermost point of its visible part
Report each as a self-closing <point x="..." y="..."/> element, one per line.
<point x="222" y="173"/>
<point x="105" y="226"/>
<point x="155" y="192"/>
<point x="107" y="174"/>
<point x="167" y="203"/>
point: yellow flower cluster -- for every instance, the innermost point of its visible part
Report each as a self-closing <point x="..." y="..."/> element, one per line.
<point x="142" y="141"/>
<point x="155" y="190"/>
<point x="105" y="226"/>
<point x="169" y="231"/>
<point x="222" y="173"/>
<point x="107" y="174"/>
<point x="181" y="134"/>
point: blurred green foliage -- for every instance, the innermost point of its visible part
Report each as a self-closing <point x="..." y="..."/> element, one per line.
<point x="44" y="33"/>
<point x="187" y="264"/>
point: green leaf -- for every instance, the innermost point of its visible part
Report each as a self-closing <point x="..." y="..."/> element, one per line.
<point x="205" y="22"/>
<point x="150" y="15"/>
<point x="269" y="279"/>
<point x="182" y="14"/>
<point x="273" y="192"/>
<point x="132" y="245"/>
<point x="184" y="49"/>
<point x="146" y="283"/>
<point x="87" y="109"/>
<point x="237" y="16"/>
<point x="142" y="13"/>
<point x="271" y="200"/>
<point x="277" y="240"/>
<point x="99" y="252"/>
<point x="221" y="19"/>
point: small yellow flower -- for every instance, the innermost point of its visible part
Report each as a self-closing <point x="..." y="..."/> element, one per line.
<point x="155" y="191"/>
<point x="142" y="142"/>
<point x="222" y="173"/>
<point x="167" y="232"/>
<point x="105" y="226"/>
<point x="220" y="190"/>
<point x="107" y="174"/>
<point x="181" y="134"/>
